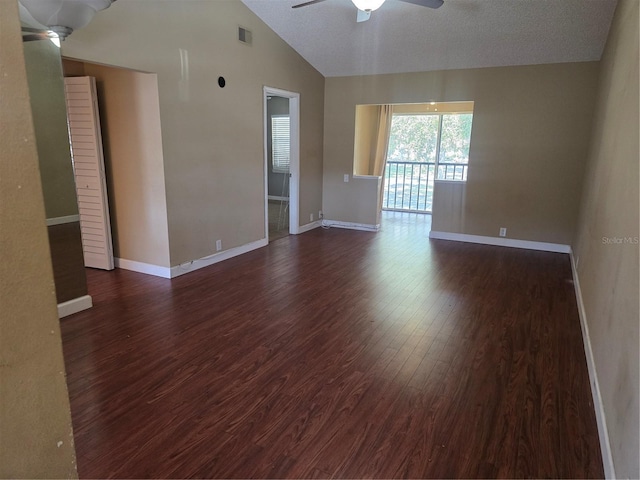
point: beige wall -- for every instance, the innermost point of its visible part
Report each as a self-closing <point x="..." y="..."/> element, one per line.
<point x="365" y="137"/>
<point x="71" y="68"/>
<point x="36" y="438"/>
<point x="528" y="144"/>
<point x="44" y="73"/>
<point x="132" y="139"/>
<point x="608" y="271"/>
<point x="212" y="137"/>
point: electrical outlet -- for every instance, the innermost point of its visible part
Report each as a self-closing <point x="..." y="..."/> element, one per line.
<point x="503" y="231"/>
<point x="346" y="178"/>
<point x="320" y="217"/>
<point x="311" y="217"/>
<point x="218" y="245"/>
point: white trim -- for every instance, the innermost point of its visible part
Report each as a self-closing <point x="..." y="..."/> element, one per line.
<point x="351" y="226"/>
<point x="366" y="177"/>
<point x="149" y="269"/>
<point x="62" y="220"/>
<point x="603" y="432"/>
<point x="74" y="306"/>
<point x="310" y="226"/>
<point x="216" y="257"/>
<point x="278" y="198"/>
<point x="501" y="242"/>
<point x="265" y="149"/>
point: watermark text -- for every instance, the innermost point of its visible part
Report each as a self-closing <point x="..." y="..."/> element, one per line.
<point x="620" y="240"/>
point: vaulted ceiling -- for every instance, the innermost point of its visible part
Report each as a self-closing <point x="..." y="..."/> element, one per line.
<point x="402" y="37"/>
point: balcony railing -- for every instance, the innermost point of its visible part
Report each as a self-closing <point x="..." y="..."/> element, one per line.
<point x="408" y="186"/>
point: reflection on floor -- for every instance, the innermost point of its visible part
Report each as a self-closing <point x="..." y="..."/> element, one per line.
<point x="278" y="219"/>
<point x="416" y="223"/>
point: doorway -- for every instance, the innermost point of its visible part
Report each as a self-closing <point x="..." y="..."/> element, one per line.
<point x="281" y="146"/>
<point x="134" y="163"/>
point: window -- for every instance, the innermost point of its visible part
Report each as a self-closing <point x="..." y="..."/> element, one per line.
<point x="440" y="140"/>
<point x="413" y="138"/>
<point x="453" y="146"/>
<point x="280" y="142"/>
<point x="424" y="147"/>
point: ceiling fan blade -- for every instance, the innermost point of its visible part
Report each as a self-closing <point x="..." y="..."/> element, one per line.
<point x="35" y="36"/>
<point x="305" y="4"/>
<point x="32" y="30"/>
<point x="426" y="3"/>
<point x="363" y="16"/>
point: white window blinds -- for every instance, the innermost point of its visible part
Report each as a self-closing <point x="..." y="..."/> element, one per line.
<point x="280" y="132"/>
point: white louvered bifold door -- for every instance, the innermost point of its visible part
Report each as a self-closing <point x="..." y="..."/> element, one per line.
<point x="88" y="166"/>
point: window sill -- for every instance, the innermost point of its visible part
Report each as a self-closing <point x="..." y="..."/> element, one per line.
<point x="449" y="181"/>
<point x="366" y="176"/>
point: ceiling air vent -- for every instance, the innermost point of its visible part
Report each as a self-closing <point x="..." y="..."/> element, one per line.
<point x="244" y="35"/>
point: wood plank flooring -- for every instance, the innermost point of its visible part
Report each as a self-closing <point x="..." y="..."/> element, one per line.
<point x="278" y="219"/>
<point x="336" y="354"/>
<point x="67" y="259"/>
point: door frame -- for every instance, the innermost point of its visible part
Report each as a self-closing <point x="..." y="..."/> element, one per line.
<point x="294" y="158"/>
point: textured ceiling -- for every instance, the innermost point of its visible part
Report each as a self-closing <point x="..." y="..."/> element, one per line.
<point x="401" y="37"/>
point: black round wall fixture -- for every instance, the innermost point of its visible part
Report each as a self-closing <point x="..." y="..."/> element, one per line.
<point x="221" y="82"/>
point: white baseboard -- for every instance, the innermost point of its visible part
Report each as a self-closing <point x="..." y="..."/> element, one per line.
<point x="172" y="272"/>
<point x="74" y="306"/>
<point x="217" y="257"/>
<point x="501" y="242"/>
<point x="603" y="433"/>
<point x="149" y="269"/>
<point x="278" y="198"/>
<point x="309" y="226"/>
<point x="61" y="220"/>
<point x="351" y="226"/>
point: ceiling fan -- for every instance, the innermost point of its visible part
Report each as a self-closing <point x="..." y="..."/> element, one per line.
<point x="56" y="19"/>
<point x="33" y="34"/>
<point x="365" y="7"/>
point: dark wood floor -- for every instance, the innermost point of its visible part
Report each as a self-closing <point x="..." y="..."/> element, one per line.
<point x="336" y="354"/>
<point x="278" y="219"/>
<point x="67" y="259"/>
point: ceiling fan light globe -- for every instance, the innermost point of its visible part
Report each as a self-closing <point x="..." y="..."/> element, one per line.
<point x="64" y="16"/>
<point x="368" y="5"/>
